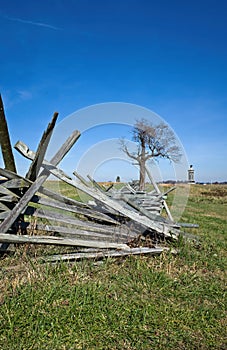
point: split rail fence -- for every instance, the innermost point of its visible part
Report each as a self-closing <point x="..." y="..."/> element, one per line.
<point x="114" y="223"/>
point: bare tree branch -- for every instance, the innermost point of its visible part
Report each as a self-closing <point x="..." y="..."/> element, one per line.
<point x="124" y="148"/>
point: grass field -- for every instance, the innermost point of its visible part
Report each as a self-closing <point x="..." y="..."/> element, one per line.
<point x="165" y="302"/>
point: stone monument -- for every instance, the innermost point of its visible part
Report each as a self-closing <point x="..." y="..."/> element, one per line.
<point x="191" y="175"/>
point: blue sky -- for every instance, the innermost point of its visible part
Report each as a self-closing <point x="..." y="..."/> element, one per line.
<point x="167" y="56"/>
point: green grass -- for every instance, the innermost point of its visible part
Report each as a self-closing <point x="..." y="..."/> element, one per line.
<point x="64" y="189"/>
<point x="164" y="302"/>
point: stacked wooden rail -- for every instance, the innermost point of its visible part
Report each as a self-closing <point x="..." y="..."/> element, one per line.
<point x="112" y="222"/>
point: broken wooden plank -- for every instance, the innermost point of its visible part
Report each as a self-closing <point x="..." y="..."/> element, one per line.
<point x="41" y="150"/>
<point x="104" y="254"/>
<point x="186" y="224"/>
<point x="9" y="220"/>
<point x="70" y="220"/>
<point x="138" y="197"/>
<point x="9" y="198"/>
<point x="10" y="175"/>
<point x="47" y="240"/>
<point x="82" y="233"/>
<point x="15" y="183"/>
<point x="6" y="191"/>
<point x="5" y="143"/>
<point x="89" y="213"/>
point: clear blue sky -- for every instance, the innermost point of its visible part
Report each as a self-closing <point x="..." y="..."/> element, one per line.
<point x="167" y="56"/>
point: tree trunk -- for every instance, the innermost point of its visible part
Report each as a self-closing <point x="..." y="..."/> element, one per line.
<point x="142" y="176"/>
<point x="142" y="163"/>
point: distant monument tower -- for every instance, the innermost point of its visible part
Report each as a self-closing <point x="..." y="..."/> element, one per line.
<point x="191" y="175"/>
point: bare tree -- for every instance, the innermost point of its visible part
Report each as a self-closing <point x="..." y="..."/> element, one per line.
<point x="154" y="141"/>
